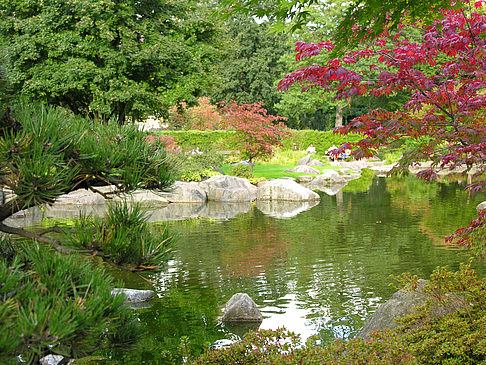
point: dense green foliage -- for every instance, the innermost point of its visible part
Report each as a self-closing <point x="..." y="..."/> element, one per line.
<point x="56" y="304"/>
<point x="253" y="66"/>
<point x="223" y="140"/>
<point x="217" y="140"/>
<point x="362" y="18"/>
<point x="123" y="237"/>
<point x="198" y="166"/>
<point x="283" y="347"/>
<point x="109" y="58"/>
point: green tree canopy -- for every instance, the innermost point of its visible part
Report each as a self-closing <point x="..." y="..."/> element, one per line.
<point x="108" y="58"/>
<point x="250" y="73"/>
<point x="363" y="18"/>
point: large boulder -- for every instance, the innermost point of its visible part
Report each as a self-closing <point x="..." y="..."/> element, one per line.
<point x="304" y="179"/>
<point x="148" y="197"/>
<point x="80" y="197"/>
<point x="316" y="163"/>
<point x="327" y="189"/>
<point x="326" y="179"/>
<point x="304" y="160"/>
<point x="283" y="189"/>
<point x="304" y="169"/>
<point x="225" y="188"/>
<point x="404" y="302"/>
<point x="186" y="192"/>
<point x="481" y="206"/>
<point x="241" y="308"/>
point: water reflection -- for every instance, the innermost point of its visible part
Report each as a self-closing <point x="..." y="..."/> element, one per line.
<point x="284" y="209"/>
<point x="321" y="272"/>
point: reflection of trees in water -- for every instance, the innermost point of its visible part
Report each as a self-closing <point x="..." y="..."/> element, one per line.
<point x="440" y="208"/>
<point x="333" y="260"/>
<point x="260" y="246"/>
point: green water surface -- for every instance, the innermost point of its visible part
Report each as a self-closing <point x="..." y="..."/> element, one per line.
<point x="321" y="272"/>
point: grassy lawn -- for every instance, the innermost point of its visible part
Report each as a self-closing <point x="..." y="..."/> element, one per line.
<point x="272" y="171"/>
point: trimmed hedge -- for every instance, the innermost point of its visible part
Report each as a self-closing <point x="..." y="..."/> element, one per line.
<point x="220" y="140"/>
<point x="321" y="140"/>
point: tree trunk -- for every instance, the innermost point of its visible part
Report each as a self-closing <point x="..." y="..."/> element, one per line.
<point x="339" y="116"/>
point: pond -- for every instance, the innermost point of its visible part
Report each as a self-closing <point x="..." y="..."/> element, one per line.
<point x="321" y="272"/>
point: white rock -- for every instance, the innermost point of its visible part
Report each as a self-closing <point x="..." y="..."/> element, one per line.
<point x="241" y="308"/>
<point x="80" y="197"/>
<point x="481" y="206"/>
<point x="186" y="192"/>
<point x="144" y="197"/>
<point x="225" y="188"/>
<point x="285" y="190"/>
<point x="53" y="360"/>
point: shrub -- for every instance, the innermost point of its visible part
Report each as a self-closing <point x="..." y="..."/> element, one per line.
<point x="198" y="167"/>
<point x="224" y="140"/>
<point x="257" y="132"/>
<point x="56" y="304"/>
<point x="242" y="170"/>
<point x="168" y="142"/>
<point x="123" y="237"/>
<point x="202" y="116"/>
<point x="283" y="347"/>
<point x="204" y="140"/>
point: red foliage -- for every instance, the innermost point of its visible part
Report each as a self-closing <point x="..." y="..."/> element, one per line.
<point x="444" y="74"/>
<point x="256" y="130"/>
<point x="203" y="116"/>
<point x="168" y="141"/>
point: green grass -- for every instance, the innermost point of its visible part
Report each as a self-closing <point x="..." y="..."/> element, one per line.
<point x="273" y="171"/>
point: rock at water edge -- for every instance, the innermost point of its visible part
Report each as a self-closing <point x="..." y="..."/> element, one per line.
<point x="241" y="308"/>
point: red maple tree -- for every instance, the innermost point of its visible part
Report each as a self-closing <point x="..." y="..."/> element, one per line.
<point x="257" y="132"/>
<point x="444" y="73"/>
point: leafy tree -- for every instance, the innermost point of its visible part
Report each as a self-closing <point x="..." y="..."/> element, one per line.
<point x="253" y="68"/>
<point x="318" y="108"/>
<point x="255" y="129"/>
<point x="364" y="19"/>
<point x="108" y="58"/>
<point x="445" y="113"/>
<point x="203" y="116"/>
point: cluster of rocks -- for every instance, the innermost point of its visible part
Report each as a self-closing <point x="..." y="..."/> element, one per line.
<point x="329" y="181"/>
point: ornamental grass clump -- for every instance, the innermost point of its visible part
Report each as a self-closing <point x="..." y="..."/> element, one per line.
<point x="56" y="304"/>
<point x="123" y="237"/>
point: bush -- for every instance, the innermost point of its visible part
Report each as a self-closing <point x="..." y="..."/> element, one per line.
<point x="283" y="347"/>
<point x="198" y="167"/>
<point x="242" y="170"/>
<point x="321" y="140"/>
<point x="203" y="116"/>
<point x="55" y="304"/>
<point x="123" y="237"/>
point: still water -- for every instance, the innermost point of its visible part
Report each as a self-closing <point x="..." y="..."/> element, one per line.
<point x="321" y="272"/>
